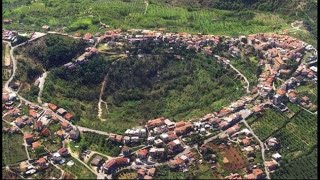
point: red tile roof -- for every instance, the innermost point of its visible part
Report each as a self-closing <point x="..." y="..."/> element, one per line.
<point x="281" y="92"/>
<point x="33" y="113"/>
<point x="68" y="116"/>
<point x="36" y="144"/>
<point x="41" y="160"/>
<point x="53" y="107"/>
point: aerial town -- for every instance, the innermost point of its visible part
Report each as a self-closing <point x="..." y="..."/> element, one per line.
<point x="223" y="140"/>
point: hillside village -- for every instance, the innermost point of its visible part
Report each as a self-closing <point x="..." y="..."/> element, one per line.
<point x="222" y="140"/>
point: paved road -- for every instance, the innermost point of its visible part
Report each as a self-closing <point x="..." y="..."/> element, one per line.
<point x="261" y="145"/>
<point x="84" y="129"/>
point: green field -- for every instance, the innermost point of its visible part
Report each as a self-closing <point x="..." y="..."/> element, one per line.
<point x="97" y="142"/>
<point x="270" y="122"/>
<point x="86" y="16"/>
<point x="12" y="149"/>
<point x="50" y="173"/>
<point x="79" y="170"/>
<point x="298" y="136"/>
<point x="304" y="167"/>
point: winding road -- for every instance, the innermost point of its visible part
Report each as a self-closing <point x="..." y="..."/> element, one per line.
<point x="248" y="84"/>
<point x="261" y="145"/>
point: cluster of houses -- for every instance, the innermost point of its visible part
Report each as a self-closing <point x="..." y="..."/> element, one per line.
<point x="11" y="36"/>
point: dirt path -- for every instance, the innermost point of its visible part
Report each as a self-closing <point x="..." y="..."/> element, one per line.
<point x="100" y="99"/>
<point x="7" y="60"/>
<point x="41" y="79"/>
<point x="244" y="77"/>
<point x="147" y="4"/>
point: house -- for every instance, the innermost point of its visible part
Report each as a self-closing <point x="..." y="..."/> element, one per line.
<point x="33" y="113"/>
<point x="125" y="151"/>
<point x="141" y="173"/>
<point x="233" y="129"/>
<point x="126" y="139"/>
<point x="61" y="111"/>
<point x="53" y="107"/>
<point x="142" y="153"/>
<point x="246" y="141"/>
<point x="15" y="112"/>
<point x="258" y="173"/>
<point x="29" y="122"/>
<point x="60" y="134"/>
<point x="250" y="176"/>
<point x="36" y="144"/>
<point x="113" y="164"/>
<point x="271" y="165"/>
<point x="48" y="113"/>
<point x="19" y="122"/>
<point x="276" y="156"/>
<point x="119" y="138"/>
<point x="56" y="157"/>
<point x="74" y="135"/>
<point x="155" y="122"/>
<point x="151" y="171"/>
<point x="13" y="129"/>
<point x="175" y="146"/>
<point x="97" y="161"/>
<point x="281" y="92"/>
<point x="68" y="116"/>
<point x="176" y="163"/>
<point x="28" y="138"/>
<point x="63" y="152"/>
<point x="45" y="132"/>
<point x="292" y="96"/>
<point x="46" y="27"/>
<point x="158" y="143"/>
<point x="42" y="163"/>
<point x="66" y="126"/>
<point x="305" y="100"/>
<point x="147" y="177"/>
<point x="39" y="126"/>
<point x="24" y="117"/>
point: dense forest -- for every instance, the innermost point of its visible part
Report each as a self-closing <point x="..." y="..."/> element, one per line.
<point x="54" y="50"/>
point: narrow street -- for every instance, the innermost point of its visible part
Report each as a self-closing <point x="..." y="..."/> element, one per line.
<point x="261" y="145"/>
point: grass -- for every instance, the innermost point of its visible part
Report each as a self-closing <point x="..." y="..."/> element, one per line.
<point x="304" y="167"/>
<point x="98" y="143"/>
<point x="12" y="150"/>
<point x="298" y="136"/>
<point x="78" y="170"/>
<point x="50" y="173"/>
<point x="127" y="174"/>
<point x="86" y="16"/>
<point x="271" y="121"/>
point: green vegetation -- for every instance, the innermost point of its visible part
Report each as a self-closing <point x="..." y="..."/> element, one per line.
<point x="271" y="121"/>
<point x="248" y="67"/>
<point x="126" y="174"/>
<point x="78" y="170"/>
<point x="49" y="173"/>
<point x="298" y="136"/>
<point x="55" y="50"/>
<point x="304" y="167"/>
<point x="290" y="10"/>
<point x="139" y="89"/>
<point x="97" y="142"/>
<point x="12" y="150"/>
<point x="310" y="90"/>
<point x="164" y="172"/>
<point x="86" y="15"/>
